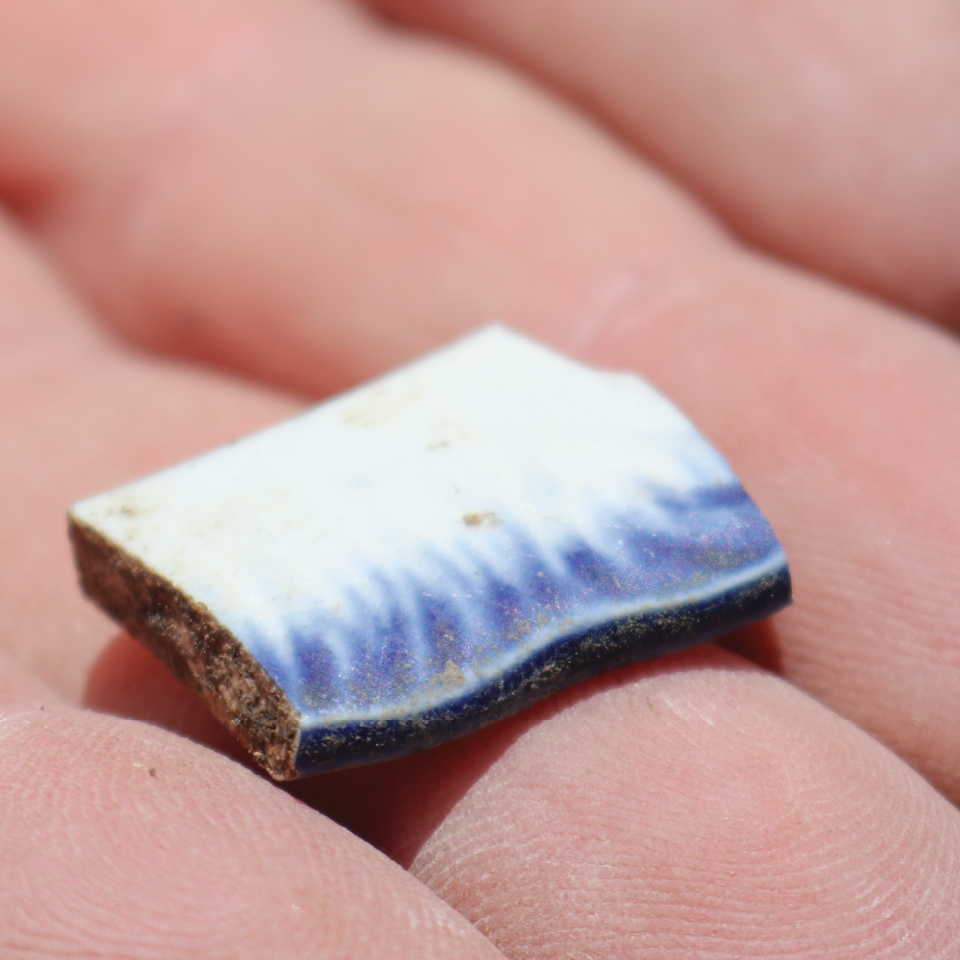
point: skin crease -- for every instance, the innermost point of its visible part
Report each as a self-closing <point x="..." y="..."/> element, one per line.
<point x="818" y="130"/>
<point x="699" y="805"/>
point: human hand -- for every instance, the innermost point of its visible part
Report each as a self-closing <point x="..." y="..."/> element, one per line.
<point x="299" y="196"/>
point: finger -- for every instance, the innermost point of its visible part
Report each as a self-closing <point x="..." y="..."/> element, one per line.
<point x="825" y="132"/>
<point x="283" y="188"/>
<point x="120" y="840"/>
<point x="79" y="413"/>
<point x="841" y="417"/>
<point x="693" y="807"/>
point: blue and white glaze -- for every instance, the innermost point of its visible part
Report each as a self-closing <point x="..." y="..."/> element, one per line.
<point x="432" y="551"/>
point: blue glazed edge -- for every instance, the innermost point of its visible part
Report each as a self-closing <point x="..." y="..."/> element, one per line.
<point x="482" y="611"/>
<point x="567" y="661"/>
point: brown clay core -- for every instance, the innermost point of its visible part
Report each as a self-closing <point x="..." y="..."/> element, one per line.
<point x="195" y="646"/>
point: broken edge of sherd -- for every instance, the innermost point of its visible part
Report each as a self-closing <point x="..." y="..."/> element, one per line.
<point x="197" y="648"/>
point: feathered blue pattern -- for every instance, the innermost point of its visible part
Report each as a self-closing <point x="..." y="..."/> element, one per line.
<point x="451" y="640"/>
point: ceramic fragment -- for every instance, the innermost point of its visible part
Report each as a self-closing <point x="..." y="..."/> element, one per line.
<point x="428" y="553"/>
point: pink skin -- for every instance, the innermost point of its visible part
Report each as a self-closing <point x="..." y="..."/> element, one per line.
<point x="297" y="195"/>
<point x="821" y="131"/>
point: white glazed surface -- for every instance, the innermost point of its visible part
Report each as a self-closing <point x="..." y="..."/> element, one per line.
<point x="492" y="461"/>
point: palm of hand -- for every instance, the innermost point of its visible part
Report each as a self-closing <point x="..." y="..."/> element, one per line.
<point x="301" y="196"/>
